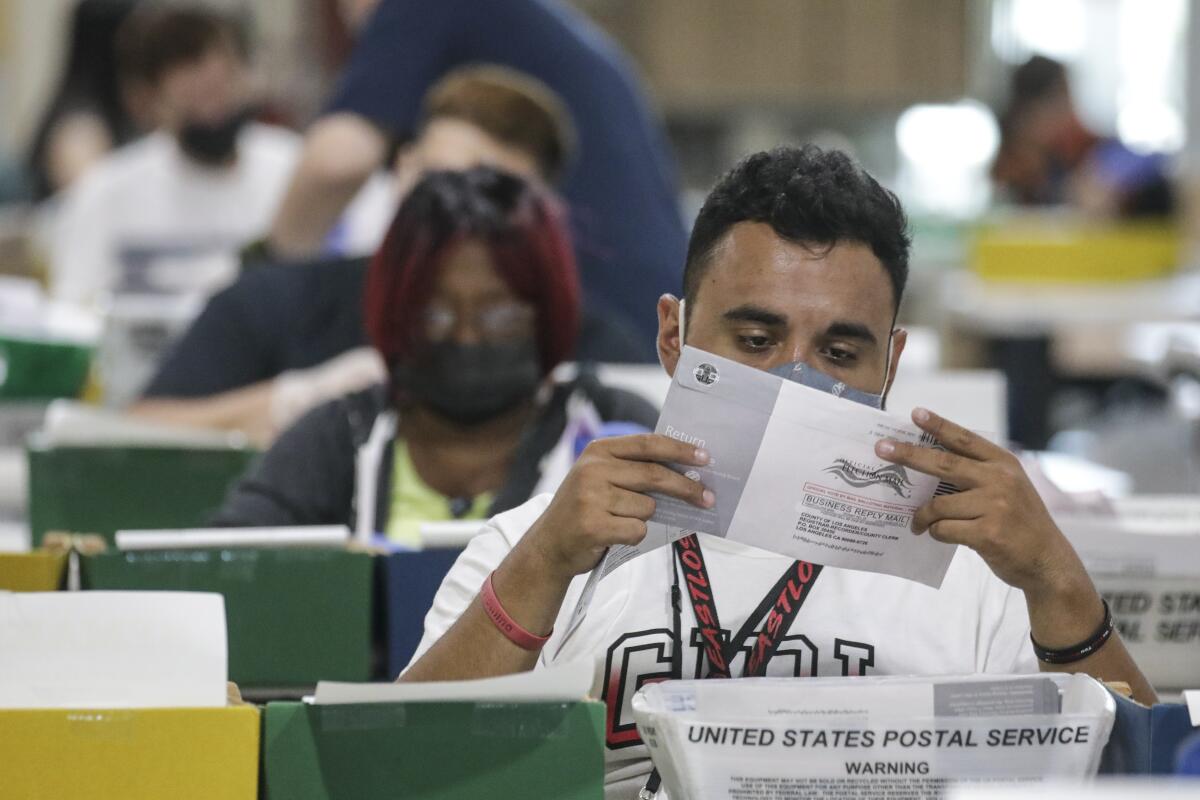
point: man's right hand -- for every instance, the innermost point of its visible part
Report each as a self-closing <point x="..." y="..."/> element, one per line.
<point x="603" y="500"/>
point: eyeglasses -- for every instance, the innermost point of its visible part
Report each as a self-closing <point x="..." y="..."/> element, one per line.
<point x="500" y="321"/>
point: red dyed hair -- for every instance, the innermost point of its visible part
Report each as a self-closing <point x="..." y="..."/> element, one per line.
<point x="523" y="230"/>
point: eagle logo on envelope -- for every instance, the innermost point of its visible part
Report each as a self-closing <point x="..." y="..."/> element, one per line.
<point x="860" y="476"/>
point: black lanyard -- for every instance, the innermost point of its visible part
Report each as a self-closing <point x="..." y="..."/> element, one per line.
<point x="780" y="606"/>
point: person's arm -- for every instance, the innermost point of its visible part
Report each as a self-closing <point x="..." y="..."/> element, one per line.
<point x="261" y="410"/>
<point x="340" y="152"/>
<point x="82" y="266"/>
<point x="999" y="514"/>
<point x="76" y="142"/>
<point x="602" y="502"/>
<point x="246" y="409"/>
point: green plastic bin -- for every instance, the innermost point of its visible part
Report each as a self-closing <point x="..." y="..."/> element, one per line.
<point x="100" y="489"/>
<point x="294" y="616"/>
<point x="39" y="370"/>
<point x="434" y="751"/>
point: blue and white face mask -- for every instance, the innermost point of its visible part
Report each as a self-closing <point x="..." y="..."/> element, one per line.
<point x="813" y="378"/>
<point x="809" y="376"/>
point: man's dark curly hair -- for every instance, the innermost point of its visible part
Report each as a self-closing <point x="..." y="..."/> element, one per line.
<point x="807" y="195"/>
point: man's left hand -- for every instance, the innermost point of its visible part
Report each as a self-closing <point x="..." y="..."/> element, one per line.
<point x="998" y="513"/>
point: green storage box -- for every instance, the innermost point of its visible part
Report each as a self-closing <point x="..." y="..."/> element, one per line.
<point x="103" y="489"/>
<point x="294" y="616"/>
<point x="42" y="370"/>
<point x="434" y="751"/>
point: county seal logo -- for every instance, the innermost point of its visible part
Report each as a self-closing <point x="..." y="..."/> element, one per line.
<point x="706" y="374"/>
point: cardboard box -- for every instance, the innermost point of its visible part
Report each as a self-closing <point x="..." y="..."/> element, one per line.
<point x="102" y="489"/>
<point x="294" y="616"/>
<point x="134" y="754"/>
<point x="32" y="572"/>
<point x="434" y="751"/>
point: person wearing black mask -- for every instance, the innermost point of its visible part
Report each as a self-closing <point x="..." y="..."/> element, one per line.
<point x="169" y="212"/>
<point x="472" y="301"/>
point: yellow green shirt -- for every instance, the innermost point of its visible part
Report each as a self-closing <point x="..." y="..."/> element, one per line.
<point x="414" y="502"/>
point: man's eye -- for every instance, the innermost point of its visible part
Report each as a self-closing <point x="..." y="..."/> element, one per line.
<point x="755" y="344"/>
<point x="839" y="354"/>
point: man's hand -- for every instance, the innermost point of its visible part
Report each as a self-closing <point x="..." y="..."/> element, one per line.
<point x="604" y="500"/>
<point x="998" y="513"/>
<point x="1000" y="516"/>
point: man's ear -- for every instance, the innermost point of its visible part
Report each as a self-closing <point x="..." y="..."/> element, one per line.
<point x="899" y="339"/>
<point x="669" y="344"/>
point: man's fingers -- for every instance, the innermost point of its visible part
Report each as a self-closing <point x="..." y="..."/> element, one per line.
<point x="653" y="447"/>
<point x="948" y="506"/>
<point x="953" y="531"/>
<point x="643" y="477"/>
<point x="962" y="472"/>
<point x="631" y="504"/>
<point x="955" y="437"/>
<point x="627" y="530"/>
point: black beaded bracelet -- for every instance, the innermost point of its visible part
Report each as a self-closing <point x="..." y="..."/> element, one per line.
<point x="1078" y="652"/>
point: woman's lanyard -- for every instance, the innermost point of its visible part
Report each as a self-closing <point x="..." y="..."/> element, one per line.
<point x="779" y="606"/>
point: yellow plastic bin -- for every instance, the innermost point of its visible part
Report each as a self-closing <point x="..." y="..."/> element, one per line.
<point x="131" y="754"/>
<point x="1066" y="251"/>
<point x="31" y="572"/>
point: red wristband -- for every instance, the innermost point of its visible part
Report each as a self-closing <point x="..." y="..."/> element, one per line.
<point x="506" y="624"/>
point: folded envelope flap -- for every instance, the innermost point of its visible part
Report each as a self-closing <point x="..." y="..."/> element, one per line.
<point x="705" y="373"/>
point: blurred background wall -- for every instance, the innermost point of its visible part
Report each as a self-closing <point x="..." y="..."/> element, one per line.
<point x="730" y="77"/>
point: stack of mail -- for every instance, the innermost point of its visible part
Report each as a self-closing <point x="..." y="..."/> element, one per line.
<point x="856" y="737"/>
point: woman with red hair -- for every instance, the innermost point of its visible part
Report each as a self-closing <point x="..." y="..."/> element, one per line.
<point x="471" y="301"/>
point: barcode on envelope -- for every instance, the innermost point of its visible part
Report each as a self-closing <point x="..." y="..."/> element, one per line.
<point x="943" y="487"/>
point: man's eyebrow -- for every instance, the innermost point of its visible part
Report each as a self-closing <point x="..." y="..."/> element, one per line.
<point x="753" y="313"/>
<point x="851" y="330"/>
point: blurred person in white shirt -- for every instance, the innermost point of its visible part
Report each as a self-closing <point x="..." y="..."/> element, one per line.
<point x="168" y="213"/>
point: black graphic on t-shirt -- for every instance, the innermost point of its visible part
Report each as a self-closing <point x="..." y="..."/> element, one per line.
<point x="641" y="657"/>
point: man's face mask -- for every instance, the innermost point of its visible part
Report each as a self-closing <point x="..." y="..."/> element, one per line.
<point x="213" y="143"/>
<point x="469" y="384"/>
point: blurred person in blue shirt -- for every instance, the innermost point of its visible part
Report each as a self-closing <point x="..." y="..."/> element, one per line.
<point x="621" y="190"/>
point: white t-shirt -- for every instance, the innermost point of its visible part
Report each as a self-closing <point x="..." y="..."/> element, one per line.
<point x="852" y="623"/>
<point x="146" y="219"/>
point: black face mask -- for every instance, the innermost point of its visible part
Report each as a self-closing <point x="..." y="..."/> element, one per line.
<point x="470" y="384"/>
<point x="213" y="143"/>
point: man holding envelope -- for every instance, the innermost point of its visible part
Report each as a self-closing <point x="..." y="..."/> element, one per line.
<point x="798" y="258"/>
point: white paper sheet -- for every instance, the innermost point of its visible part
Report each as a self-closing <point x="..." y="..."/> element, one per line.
<point x="72" y="424"/>
<point x="565" y="683"/>
<point x="1191" y="698"/>
<point x="454" y="533"/>
<point x="304" y="536"/>
<point x="112" y="650"/>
